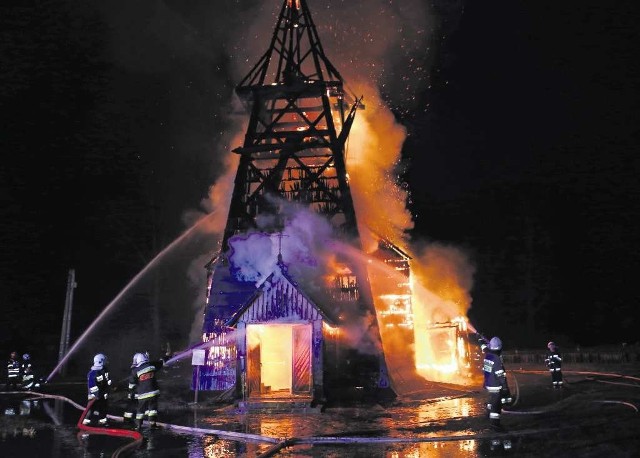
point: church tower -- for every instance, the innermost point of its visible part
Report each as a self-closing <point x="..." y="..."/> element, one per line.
<point x="293" y="152"/>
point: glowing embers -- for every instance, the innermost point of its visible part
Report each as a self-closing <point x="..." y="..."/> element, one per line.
<point x="220" y="362"/>
<point x="283" y="120"/>
<point x="293" y="4"/>
<point x="396" y="310"/>
<point x="278" y="359"/>
<point x="391" y="283"/>
<point x="442" y="350"/>
<point x="330" y="331"/>
<point x="342" y="283"/>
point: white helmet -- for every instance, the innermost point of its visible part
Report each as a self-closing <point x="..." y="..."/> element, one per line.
<point x="140" y="358"/>
<point x="26" y="357"/>
<point x="551" y="346"/>
<point x="99" y="360"/>
<point x="495" y="344"/>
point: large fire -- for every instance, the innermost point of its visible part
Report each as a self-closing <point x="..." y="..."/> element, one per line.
<point x="421" y="331"/>
<point x="421" y="295"/>
<point x="421" y="301"/>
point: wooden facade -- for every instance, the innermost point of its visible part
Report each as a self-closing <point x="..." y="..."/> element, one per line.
<point x="280" y="318"/>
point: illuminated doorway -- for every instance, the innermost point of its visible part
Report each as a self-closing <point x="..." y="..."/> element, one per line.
<point x="279" y="359"/>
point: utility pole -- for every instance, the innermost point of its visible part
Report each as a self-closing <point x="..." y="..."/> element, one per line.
<point x="66" y="318"/>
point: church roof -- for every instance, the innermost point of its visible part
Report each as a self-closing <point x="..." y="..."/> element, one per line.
<point x="279" y="297"/>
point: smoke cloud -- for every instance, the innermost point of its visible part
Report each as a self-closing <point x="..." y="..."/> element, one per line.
<point x="383" y="50"/>
<point x="304" y="242"/>
<point x="447" y="272"/>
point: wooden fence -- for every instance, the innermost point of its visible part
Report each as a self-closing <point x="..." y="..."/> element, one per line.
<point x="578" y="357"/>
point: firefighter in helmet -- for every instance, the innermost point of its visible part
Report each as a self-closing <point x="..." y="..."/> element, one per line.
<point x="495" y="379"/>
<point x="144" y="384"/>
<point x="554" y="363"/>
<point x="98" y="384"/>
<point x="13" y="372"/>
<point x="28" y="378"/>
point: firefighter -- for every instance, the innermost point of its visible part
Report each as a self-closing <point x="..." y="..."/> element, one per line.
<point x="28" y="378"/>
<point x="495" y="380"/>
<point x="143" y="381"/>
<point x="99" y="384"/>
<point x="13" y="372"/>
<point x="554" y="363"/>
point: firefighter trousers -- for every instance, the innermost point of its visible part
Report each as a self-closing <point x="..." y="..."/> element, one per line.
<point x="494" y="407"/>
<point x="148" y="407"/>
<point x="98" y="412"/>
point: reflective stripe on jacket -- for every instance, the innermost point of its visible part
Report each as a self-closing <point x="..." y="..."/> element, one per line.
<point x="13" y="368"/>
<point x="143" y="379"/>
<point x="495" y="377"/>
<point x="98" y="383"/>
<point x="554" y="360"/>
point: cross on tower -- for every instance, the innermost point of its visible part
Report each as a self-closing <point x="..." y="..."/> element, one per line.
<point x="280" y="235"/>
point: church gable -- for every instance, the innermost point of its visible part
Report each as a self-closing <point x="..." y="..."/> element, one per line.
<point x="279" y="299"/>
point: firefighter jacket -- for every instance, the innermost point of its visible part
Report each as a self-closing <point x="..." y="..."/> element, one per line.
<point x="143" y="379"/>
<point x="27" y="375"/>
<point x="98" y="382"/>
<point x="495" y="377"/>
<point x="13" y="370"/>
<point x="553" y="360"/>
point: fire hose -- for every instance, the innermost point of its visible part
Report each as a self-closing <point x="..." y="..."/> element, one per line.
<point x="230" y="435"/>
<point x="86" y="429"/>
<point x="117" y="432"/>
<point x="280" y="443"/>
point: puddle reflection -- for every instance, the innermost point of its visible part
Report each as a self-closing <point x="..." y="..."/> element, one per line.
<point x="278" y="427"/>
<point x="460" y="449"/>
<point x="211" y="447"/>
<point x="47" y="428"/>
<point x="450" y="408"/>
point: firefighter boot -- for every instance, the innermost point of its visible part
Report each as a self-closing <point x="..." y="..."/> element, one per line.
<point x="152" y="420"/>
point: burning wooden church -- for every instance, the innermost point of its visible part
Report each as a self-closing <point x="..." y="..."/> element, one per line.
<point x="281" y="336"/>
<point x="306" y="324"/>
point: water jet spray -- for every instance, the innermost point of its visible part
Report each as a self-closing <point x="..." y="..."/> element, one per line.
<point x="127" y="287"/>
<point x="186" y="353"/>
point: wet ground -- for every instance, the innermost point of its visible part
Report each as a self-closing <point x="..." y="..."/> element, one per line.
<point x="595" y="415"/>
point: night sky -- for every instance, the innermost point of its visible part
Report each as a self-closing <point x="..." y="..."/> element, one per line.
<point x="521" y="150"/>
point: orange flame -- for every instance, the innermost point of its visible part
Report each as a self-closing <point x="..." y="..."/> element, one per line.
<point x="441" y="276"/>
